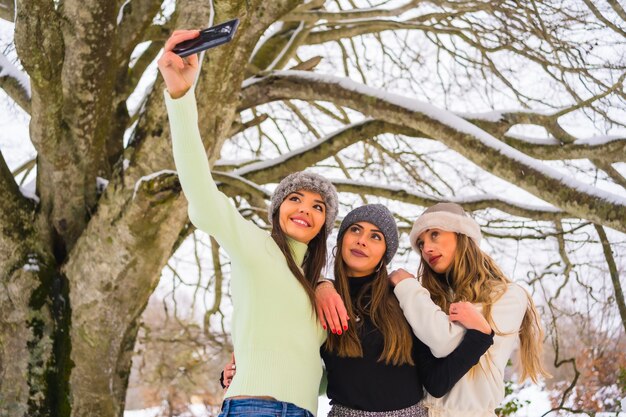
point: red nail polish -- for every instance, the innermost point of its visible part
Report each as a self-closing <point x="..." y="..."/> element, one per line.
<point x="333" y="330"/>
<point x="324" y="326"/>
<point x="338" y="331"/>
<point x="345" y="327"/>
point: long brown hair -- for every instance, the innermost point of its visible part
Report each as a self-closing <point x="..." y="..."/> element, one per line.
<point x="384" y="311"/>
<point x="314" y="260"/>
<point x="473" y="276"/>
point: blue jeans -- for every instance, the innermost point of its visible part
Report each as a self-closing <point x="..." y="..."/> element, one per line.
<point x="238" y="407"/>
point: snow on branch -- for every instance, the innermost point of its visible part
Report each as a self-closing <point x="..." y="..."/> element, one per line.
<point x="486" y="151"/>
<point x="606" y="148"/>
<point x="8" y="69"/>
<point x="120" y="14"/>
<point x="343" y="15"/>
<point x="471" y="203"/>
<point x="240" y="183"/>
<point x="326" y="147"/>
<point x="150" y="177"/>
<point x="15" y="82"/>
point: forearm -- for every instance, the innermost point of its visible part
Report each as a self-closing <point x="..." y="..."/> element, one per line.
<point x="429" y="323"/>
<point x="189" y="155"/>
<point x="439" y="375"/>
<point x="209" y="209"/>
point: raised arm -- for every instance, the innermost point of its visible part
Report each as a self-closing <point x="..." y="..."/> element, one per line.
<point x="429" y="323"/>
<point x="209" y="209"/>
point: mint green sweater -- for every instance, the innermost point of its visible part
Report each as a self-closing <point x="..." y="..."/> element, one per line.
<point x="275" y="334"/>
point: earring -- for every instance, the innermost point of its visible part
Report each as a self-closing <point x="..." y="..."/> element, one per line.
<point x="334" y="252"/>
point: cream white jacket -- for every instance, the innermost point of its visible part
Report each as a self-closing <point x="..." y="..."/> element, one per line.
<point x="478" y="393"/>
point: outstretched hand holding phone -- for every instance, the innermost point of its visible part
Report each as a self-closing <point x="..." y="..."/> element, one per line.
<point x="179" y="62"/>
<point x="178" y="73"/>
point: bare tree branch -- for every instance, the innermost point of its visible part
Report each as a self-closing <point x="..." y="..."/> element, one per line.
<point x="372" y="27"/>
<point x="603" y="19"/>
<point x="40" y="46"/>
<point x="25" y="168"/>
<point x="217" y="286"/>
<point x="245" y="180"/>
<point x="371" y="13"/>
<point x="7" y="10"/>
<point x="14" y="205"/>
<point x="473" y="203"/>
<point x="264" y="172"/>
<point x="18" y="88"/>
<point x="236" y="185"/>
<point x="614" y="174"/>
<point x="615" y="278"/>
<point x="136" y="19"/>
<point x="618" y="9"/>
<point x="136" y="72"/>
<point x="609" y="150"/>
<point x="483" y="149"/>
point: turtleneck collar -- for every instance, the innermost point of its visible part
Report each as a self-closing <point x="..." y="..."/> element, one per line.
<point x="356" y="283"/>
<point x="298" y="249"/>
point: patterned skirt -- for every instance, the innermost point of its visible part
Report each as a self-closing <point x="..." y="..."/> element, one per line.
<point x="417" y="410"/>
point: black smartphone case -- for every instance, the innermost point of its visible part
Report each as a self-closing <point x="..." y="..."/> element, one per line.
<point x="209" y="38"/>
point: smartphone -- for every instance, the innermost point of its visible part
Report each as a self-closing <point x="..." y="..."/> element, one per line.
<point x="209" y="38"/>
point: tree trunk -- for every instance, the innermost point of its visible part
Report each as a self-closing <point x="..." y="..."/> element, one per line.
<point x="82" y="266"/>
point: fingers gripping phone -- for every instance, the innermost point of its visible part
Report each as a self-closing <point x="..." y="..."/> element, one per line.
<point x="209" y="38"/>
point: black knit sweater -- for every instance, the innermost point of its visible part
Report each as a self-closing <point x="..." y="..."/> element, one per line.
<point x="367" y="384"/>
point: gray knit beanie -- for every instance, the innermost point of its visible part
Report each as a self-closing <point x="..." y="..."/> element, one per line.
<point x="379" y="216"/>
<point x="310" y="182"/>
<point x="445" y="216"/>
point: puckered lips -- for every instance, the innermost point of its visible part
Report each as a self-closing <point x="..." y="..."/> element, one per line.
<point x="300" y="221"/>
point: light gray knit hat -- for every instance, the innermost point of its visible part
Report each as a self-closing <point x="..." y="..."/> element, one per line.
<point x="310" y="182"/>
<point x="381" y="217"/>
<point x="445" y="216"/>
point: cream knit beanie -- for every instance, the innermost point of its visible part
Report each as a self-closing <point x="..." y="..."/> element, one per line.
<point x="445" y="216"/>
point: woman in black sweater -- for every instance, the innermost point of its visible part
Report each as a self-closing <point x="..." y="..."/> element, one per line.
<point x="378" y="367"/>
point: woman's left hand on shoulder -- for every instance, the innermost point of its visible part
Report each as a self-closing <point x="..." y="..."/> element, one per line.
<point x="330" y="308"/>
<point x="399" y="275"/>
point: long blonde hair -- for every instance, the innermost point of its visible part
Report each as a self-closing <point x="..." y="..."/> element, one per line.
<point x="473" y="276"/>
<point x="384" y="311"/>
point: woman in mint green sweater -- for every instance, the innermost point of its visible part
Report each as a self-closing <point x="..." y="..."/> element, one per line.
<point x="276" y="334"/>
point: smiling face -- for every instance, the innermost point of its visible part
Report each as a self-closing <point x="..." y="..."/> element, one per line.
<point x="362" y="248"/>
<point x="437" y="248"/>
<point x="302" y="215"/>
